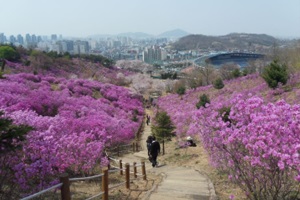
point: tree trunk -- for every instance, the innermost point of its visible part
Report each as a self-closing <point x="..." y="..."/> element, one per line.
<point x="163" y="145"/>
<point x="2" y="65"/>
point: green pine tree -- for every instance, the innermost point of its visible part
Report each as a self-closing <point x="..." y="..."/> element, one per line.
<point x="203" y="100"/>
<point x="162" y="128"/>
<point x="218" y="83"/>
<point x="275" y="73"/>
<point x="11" y="132"/>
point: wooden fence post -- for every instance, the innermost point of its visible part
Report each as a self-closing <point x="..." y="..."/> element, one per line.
<point x="137" y="146"/>
<point x="133" y="146"/>
<point x="134" y="170"/>
<point x="127" y="175"/>
<point x="144" y="170"/>
<point x="65" y="188"/>
<point x="121" y="167"/>
<point x="105" y="184"/>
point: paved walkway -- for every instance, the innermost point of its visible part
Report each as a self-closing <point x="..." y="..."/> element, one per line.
<point x="179" y="183"/>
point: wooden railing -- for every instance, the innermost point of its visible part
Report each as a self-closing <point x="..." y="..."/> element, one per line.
<point x="65" y="181"/>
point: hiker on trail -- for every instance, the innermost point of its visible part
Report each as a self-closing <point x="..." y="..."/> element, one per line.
<point x="190" y="142"/>
<point x="149" y="142"/>
<point x="148" y="120"/>
<point x="154" y="151"/>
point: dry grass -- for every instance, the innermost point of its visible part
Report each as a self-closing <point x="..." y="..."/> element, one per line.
<point x="138" y="187"/>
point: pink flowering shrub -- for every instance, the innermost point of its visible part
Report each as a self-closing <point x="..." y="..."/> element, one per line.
<point x="253" y="138"/>
<point x="71" y="126"/>
<point x="259" y="146"/>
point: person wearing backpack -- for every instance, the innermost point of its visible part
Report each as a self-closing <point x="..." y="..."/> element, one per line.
<point x="154" y="151"/>
<point x="149" y="142"/>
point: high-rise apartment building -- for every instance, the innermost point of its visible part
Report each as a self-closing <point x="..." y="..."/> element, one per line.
<point x="12" y="39"/>
<point x="2" y="38"/>
<point x="155" y="53"/>
<point x="20" y="39"/>
<point x="54" y="37"/>
<point x="28" y="38"/>
<point x="67" y="46"/>
<point x="39" y="39"/>
<point x="33" y="38"/>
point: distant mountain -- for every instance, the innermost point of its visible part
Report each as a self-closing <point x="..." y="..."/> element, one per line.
<point x="100" y="36"/>
<point x="136" y="35"/>
<point x="176" y="33"/>
<point x="230" y="41"/>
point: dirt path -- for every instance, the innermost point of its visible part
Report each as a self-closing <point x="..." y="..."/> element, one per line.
<point x="178" y="182"/>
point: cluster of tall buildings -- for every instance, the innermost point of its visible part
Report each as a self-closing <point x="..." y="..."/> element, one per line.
<point x="29" y="40"/>
<point x="150" y="50"/>
<point x="154" y="54"/>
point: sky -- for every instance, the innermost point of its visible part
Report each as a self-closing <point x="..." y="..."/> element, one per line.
<point x="82" y="18"/>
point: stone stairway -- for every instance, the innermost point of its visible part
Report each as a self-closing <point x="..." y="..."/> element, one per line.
<point x="179" y="183"/>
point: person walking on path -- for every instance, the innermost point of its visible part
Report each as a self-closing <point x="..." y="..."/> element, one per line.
<point x="149" y="142"/>
<point x="148" y="120"/>
<point x="154" y="151"/>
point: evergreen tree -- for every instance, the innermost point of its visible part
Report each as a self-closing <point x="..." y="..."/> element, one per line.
<point x="10" y="134"/>
<point x="180" y="90"/>
<point x="174" y="76"/>
<point x="236" y="73"/>
<point x="9" y="53"/>
<point x="203" y="101"/>
<point x="275" y="73"/>
<point x="162" y="127"/>
<point x="218" y="83"/>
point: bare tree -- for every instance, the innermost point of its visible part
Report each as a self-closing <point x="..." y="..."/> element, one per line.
<point x="194" y="78"/>
<point x="207" y="72"/>
<point x="225" y="71"/>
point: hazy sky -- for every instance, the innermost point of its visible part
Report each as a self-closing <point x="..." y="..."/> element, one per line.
<point x="280" y="18"/>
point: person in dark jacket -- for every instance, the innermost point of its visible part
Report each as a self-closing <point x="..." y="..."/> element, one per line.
<point x="190" y="142"/>
<point x="149" y="142"/>
<point x="154" y="151"/>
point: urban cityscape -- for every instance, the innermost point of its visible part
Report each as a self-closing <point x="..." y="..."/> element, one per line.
<point x="152" y="100"/>
<point x="158" y="51"/>
<point x="149" y="50"/>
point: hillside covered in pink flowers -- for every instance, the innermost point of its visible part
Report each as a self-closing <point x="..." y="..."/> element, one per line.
<point x="72" y="120"/>
<point x="251" y="132"/>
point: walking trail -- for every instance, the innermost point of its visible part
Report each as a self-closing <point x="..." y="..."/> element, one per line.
<point x="178" y="182"/>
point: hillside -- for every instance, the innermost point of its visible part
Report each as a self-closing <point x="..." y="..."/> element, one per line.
<point x="73" y="111"/>
<point x="230" y="41"/>
<point x="250" y="132"/>
<point x="177" y="33"/>
<point x="94" y="67"/>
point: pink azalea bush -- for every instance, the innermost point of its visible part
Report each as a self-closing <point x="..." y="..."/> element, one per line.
<point x="259" y="146"/>
<point x="73" y="120"/>
<point x="257" y="142"/>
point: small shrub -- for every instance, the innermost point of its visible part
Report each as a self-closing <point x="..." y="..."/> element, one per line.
<point x="180" y="90"/>
<point x="275" y="73"/>
<point x="218" y="84"/>
<point x="26" y="62"/>
<point x="203" y="101"/>
<point x="224" y="113"/>
<point x="236" y="73"/>
<point x="134" y="118"/>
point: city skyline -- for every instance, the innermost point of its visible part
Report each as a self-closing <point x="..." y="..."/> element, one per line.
<point x="92" y="17"/>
